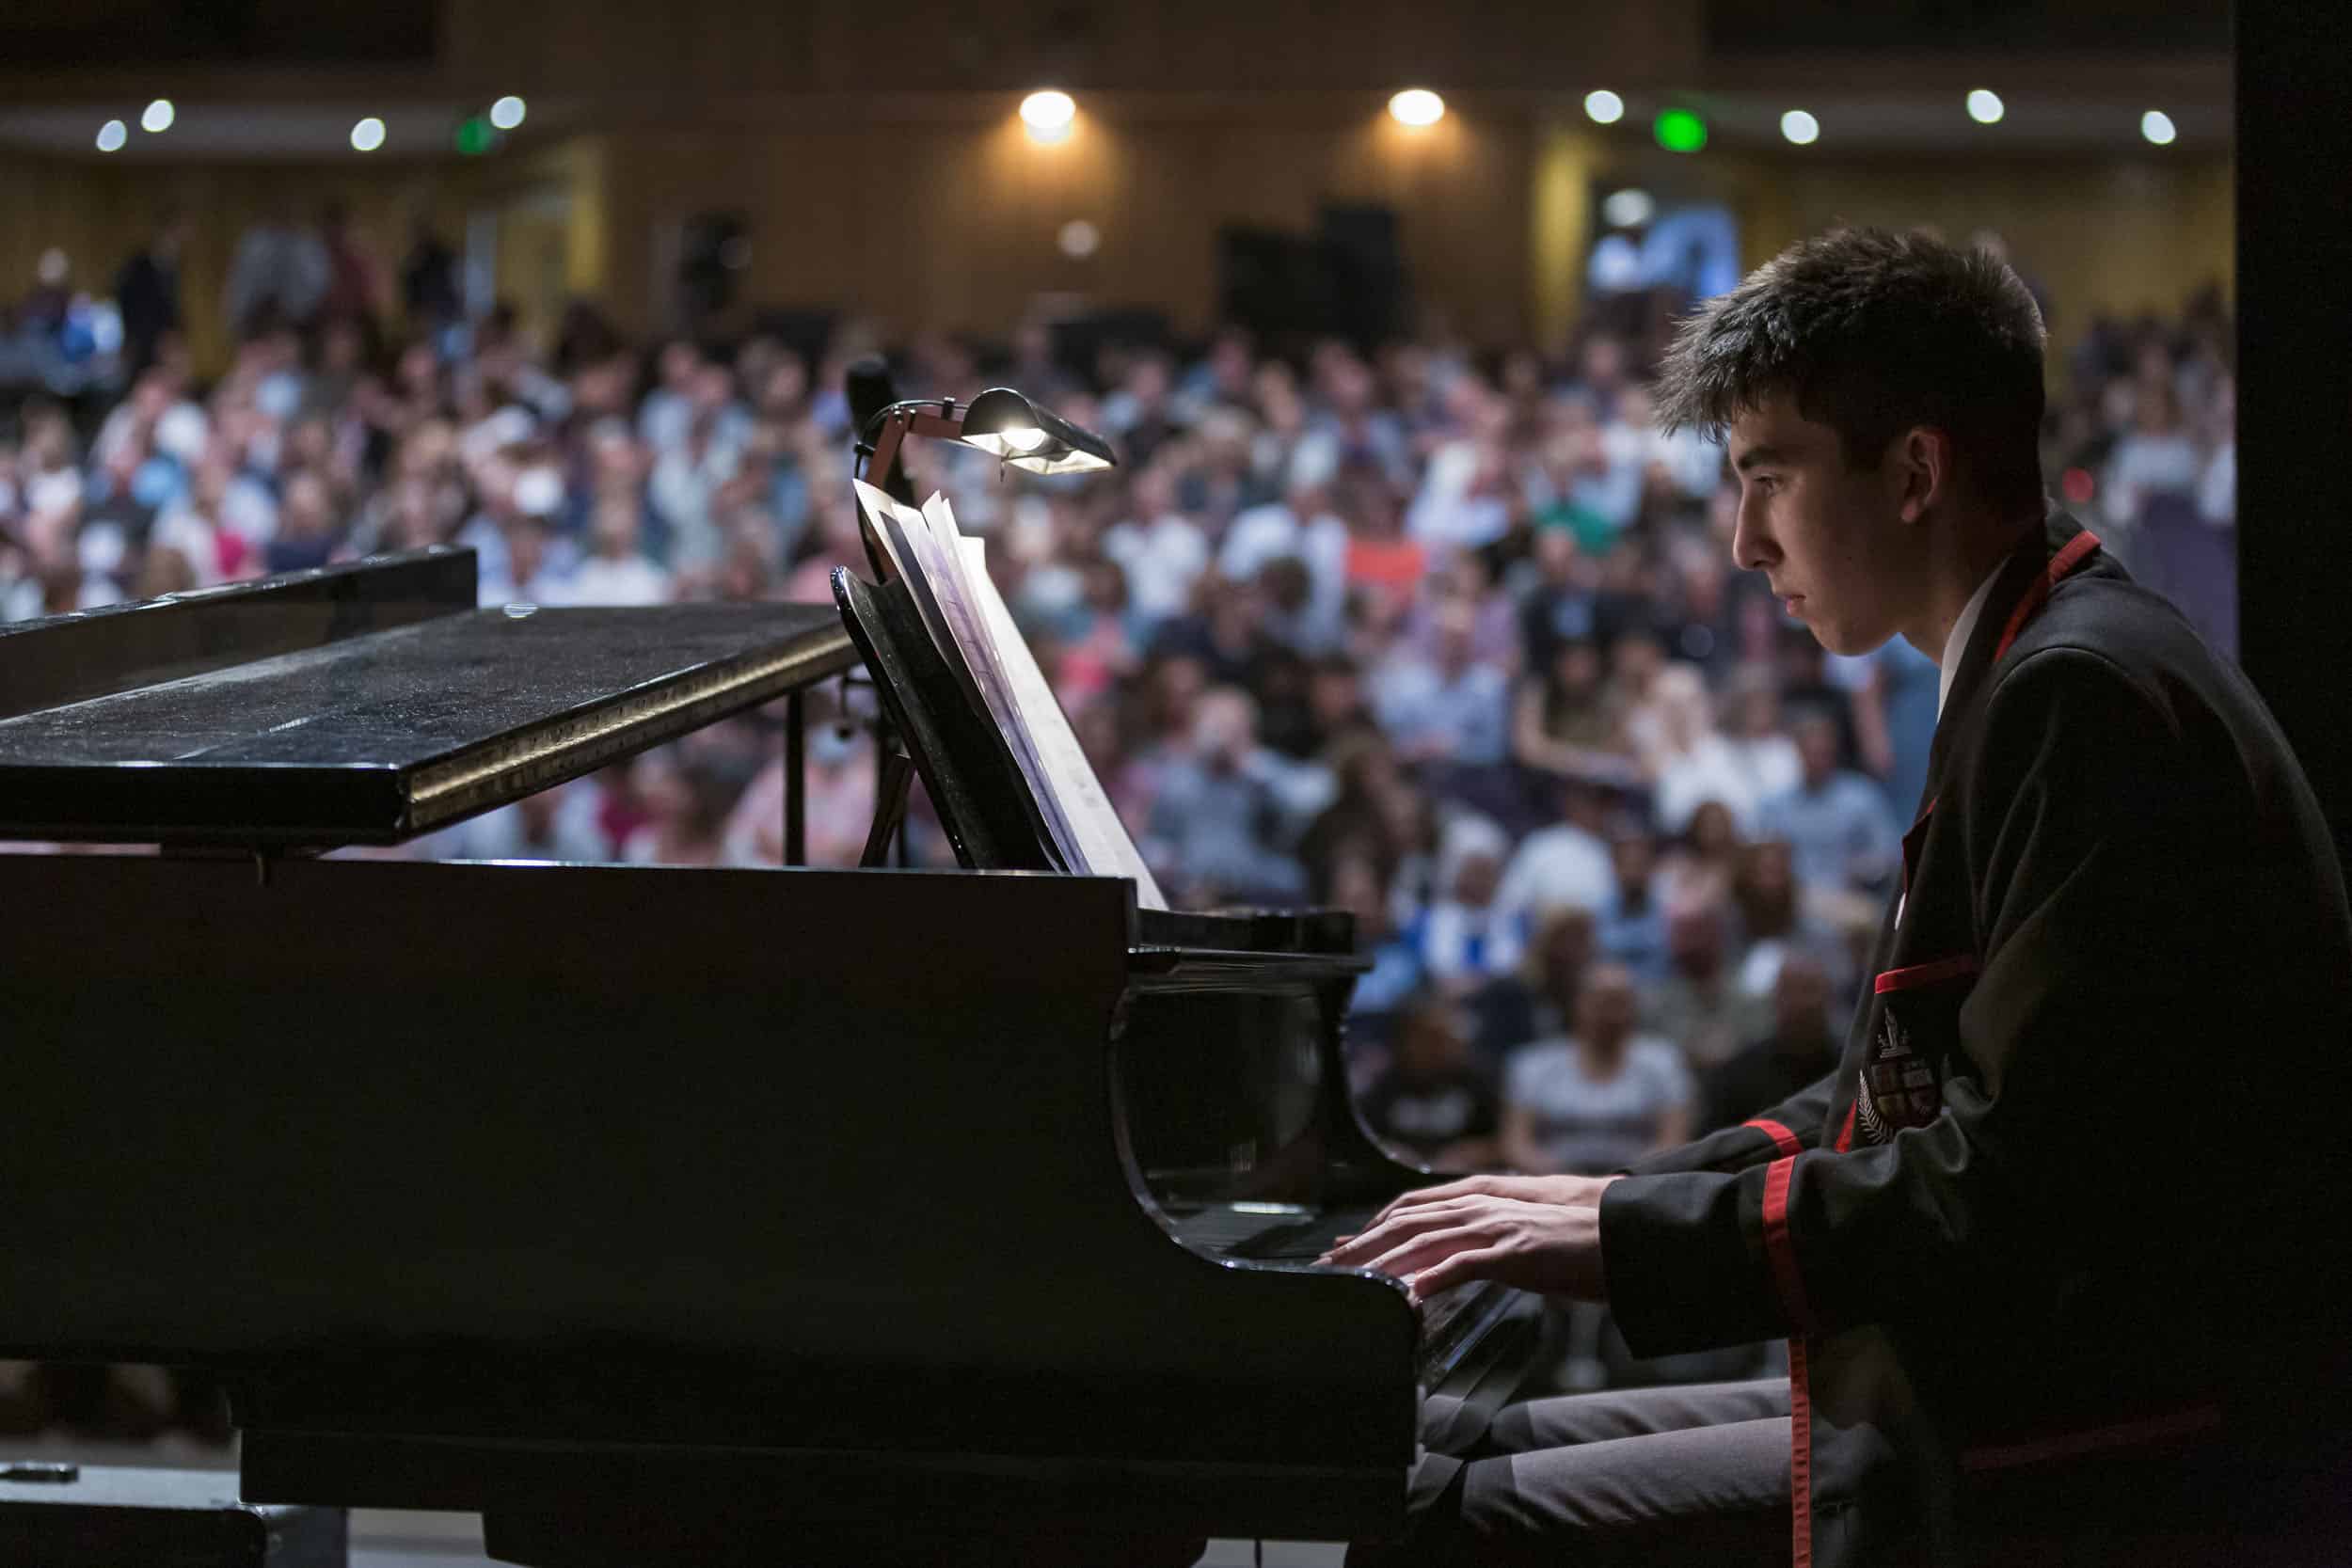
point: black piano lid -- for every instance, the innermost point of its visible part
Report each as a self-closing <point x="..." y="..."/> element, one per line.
<point x="360" y="705"/>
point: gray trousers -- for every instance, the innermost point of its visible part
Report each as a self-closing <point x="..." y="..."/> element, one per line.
<point x="1697" y="1473"/>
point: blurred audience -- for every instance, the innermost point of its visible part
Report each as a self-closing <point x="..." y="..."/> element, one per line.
<point x="1448" y="639"/>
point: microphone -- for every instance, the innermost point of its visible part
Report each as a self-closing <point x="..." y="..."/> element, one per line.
<point x="870" y="389"/>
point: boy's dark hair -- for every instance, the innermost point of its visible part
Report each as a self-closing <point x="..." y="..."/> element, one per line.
<point x="1874" y="332"/>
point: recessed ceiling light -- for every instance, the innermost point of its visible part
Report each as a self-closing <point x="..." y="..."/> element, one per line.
<point x="1416" y="106"/>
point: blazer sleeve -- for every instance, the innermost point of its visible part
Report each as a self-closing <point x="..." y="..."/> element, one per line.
<point x="1793" y="1124"/>
<point x="2083" y="856"/>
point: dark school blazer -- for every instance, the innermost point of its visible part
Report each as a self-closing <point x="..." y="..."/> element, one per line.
<point x="2066" y="1191"/>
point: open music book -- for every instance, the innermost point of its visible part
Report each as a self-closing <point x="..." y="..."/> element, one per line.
<point x="946" y="573"/>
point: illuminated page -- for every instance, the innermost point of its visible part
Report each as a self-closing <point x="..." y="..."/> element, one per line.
<point x="1102" y="842"/>
<point x="935" y="581"/>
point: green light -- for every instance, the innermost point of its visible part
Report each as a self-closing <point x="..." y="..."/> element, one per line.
<point x="1680" y="130"/>
<point x="473" y="136"/>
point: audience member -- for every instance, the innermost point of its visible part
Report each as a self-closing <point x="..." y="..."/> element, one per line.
<point x="147" y="292"/>
<point x="1629" y="923"/>
<point x="1466" y="938"/>
<point x="1801" y="1048"/>
<point x="1218" y="824"/>
<point x="1600" y="1098"/>
<point x="1700" y="1005"/>
<point x="1431" y="1103"/>
<point x="1566" y="865"/>
<point x="1836" y="820"/>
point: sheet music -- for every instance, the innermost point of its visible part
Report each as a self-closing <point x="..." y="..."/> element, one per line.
<point x="926" y="562"/>
<point x="1104" y="844"/>
<point x="902" y="531"/>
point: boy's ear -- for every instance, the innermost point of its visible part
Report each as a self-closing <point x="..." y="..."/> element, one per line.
<point x="1920" y="464"/>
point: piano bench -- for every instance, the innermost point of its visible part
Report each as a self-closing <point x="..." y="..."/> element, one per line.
<point x="91" y="1516"/>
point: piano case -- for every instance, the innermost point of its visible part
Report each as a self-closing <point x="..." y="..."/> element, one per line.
<point x="645" y="1209"/>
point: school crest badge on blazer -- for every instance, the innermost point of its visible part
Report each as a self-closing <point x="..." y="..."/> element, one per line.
<point x="1898" y="1085"/>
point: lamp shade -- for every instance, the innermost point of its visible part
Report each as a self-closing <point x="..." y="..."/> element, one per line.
<point x="1010" y="427"/>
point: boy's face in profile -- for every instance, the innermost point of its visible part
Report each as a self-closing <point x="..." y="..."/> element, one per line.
<point x="1830" y="537"/>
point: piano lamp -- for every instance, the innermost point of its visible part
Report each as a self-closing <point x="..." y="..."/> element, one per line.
<point x="1000" y="421"/>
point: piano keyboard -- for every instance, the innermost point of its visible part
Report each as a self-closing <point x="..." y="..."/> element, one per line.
<point x="1292" y="1234"/>
<point x="1267" y="1232"/>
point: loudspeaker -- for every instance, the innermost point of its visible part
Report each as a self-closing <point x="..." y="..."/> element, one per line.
<point x="713" y="250"/>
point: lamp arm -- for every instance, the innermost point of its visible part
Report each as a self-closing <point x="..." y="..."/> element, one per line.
<point x="888" y="431"/>
<point x="881" y="439"/>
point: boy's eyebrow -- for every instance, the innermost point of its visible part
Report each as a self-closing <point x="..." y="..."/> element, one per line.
<point x="1756" y="456"/>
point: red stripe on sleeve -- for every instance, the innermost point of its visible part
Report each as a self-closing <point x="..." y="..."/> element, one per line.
<point x="1845" y="1133"/>
<point x="1782" y="1138"/>
<point x="1778" y="1248"/>
<point x="1958" y="964"/>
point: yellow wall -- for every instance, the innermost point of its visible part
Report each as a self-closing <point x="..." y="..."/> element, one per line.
<point x="953" y="224"/>
<point x="2113" y="236"/>
<point x="99" y="213"/>
<point x="2116" y="236"/>
<point x="949" y="220"/>
<point x="1560" y="228"/>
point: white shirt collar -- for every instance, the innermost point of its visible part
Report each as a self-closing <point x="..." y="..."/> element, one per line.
<point x="1957" y="643"/>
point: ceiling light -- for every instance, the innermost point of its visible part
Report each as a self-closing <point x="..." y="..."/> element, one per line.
<point x="1800" y="127"/>
<point x="2157" y="127"/>
<point x="1048" y="115"/>
<point x="507" y="112"/>
<point x="158" y="117"/>
<point x="1985" y="106"/>
<point x="367" y="136"/>
<point x="1416" y="106"/>
<point x="1605" y="107"/>
<point x="112" y="134"/>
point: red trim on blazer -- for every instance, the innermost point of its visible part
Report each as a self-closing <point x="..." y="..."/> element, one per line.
<point x="2066" y="1445"/>
<point x="1783" y="1255"/>
<point x="1782" y="1138"/>
<point x="1800" y="1458"/>
<point x="1778" y="1249"/>
<point x="2039" y="595"/>
<point x="1912" y="976"/>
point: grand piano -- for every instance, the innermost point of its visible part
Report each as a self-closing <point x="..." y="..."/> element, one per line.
<point x="664" y="1215"/>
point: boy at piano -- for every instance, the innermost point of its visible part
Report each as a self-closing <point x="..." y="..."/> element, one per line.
<point x="2014" y="1312"/>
